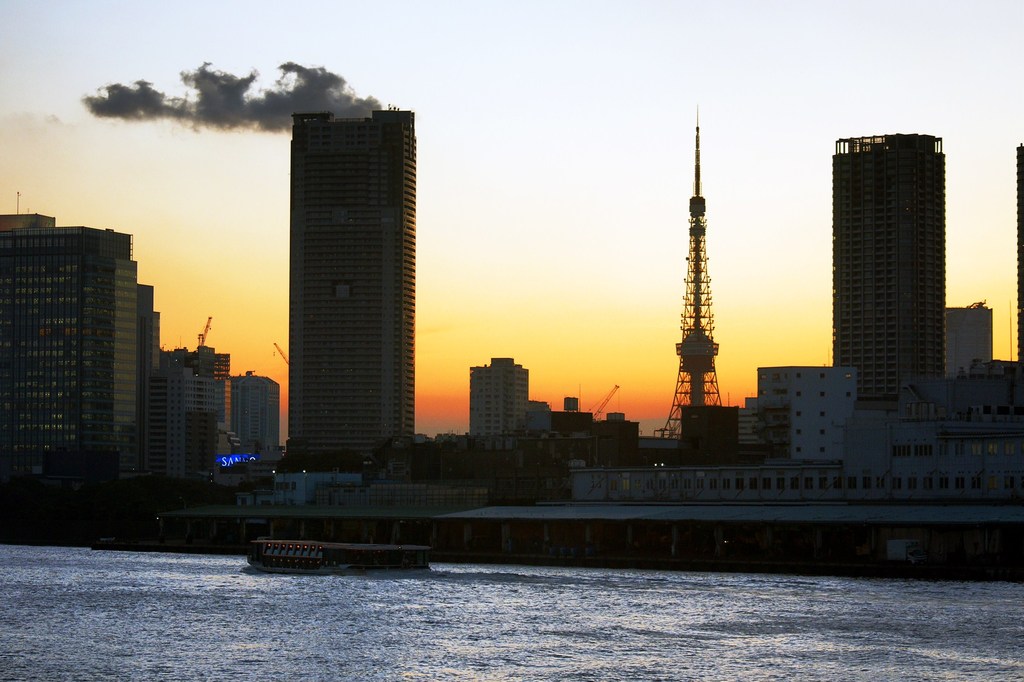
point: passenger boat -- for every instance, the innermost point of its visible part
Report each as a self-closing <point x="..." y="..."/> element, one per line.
<point x="303" y="556"/>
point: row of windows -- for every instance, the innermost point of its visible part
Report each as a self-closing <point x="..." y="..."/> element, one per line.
<point x="976" y="448"/>
<point x="737" y="483"/>
<point x="976" y="482"/>
<point x="916" y="450"/>
<point x="39" y="269"/>
<point x="779" y="376"/>
<point x="785" y="391"/>
<point x="781" y="483"/>
<point x="991" y="448"/>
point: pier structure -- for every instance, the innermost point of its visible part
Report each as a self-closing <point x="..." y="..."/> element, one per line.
<point x="962" y="541"/>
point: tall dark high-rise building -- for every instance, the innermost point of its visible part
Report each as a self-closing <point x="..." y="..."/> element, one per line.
<point x="69" y="326"/>
<point x="147" y="363"/>
<point x="1020" y="254"/>
<point x="889" y="259"/>
<point x="352" y="282"/>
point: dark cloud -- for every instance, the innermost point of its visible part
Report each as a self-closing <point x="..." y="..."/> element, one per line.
<point x="136" y="102"/>
<point x="225" y="101"/>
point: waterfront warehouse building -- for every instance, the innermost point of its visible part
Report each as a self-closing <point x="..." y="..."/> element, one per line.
<point x="69" y="326"/>
<point x="888" y="260"/>
<point x="352" y="302"/>
<point x="499" y="396"/>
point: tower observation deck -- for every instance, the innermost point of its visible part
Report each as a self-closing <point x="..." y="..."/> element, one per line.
<point x="697" y="384"/>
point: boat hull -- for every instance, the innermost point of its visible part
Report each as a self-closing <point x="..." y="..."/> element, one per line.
<point x="334" y="570"/>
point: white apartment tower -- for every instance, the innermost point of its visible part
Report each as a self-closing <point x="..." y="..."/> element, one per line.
<point x="498" y="398"/>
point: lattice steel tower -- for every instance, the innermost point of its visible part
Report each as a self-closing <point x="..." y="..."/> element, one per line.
<point x="697" y="384"/>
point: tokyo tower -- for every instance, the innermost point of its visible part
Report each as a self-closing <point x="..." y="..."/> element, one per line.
<point x="697" y="384"/>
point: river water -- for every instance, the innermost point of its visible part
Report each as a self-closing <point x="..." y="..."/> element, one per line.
<point x="76" y="614"/>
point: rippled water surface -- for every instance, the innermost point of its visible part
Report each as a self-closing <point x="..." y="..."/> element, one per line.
<point x="77" y="614"/>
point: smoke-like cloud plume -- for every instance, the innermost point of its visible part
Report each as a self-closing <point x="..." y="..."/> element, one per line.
<point x="225" y="101"/>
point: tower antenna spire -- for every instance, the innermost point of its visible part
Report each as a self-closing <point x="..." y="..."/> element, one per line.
<point x="696" y="160"/>
<point x="697" y="383"/>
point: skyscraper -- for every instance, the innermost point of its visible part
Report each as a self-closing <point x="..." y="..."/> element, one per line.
<point x="68" y="350"/>
<point x="183" y="407"/>
<point x="255" y="412"/>
<point x="499" y="395"/>
<point x="187" y="393"/>
<point x="352" y="282"/>
<point x="147" y="363"/>
<point x="1020" y="253"/>
<point x="888" y="259"/>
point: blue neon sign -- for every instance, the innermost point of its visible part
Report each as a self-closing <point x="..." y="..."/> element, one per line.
<point x="232" y="460"/>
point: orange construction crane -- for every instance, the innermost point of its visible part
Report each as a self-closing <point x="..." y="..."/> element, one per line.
<point x="283" y="356"/>
<point x="206" y="330"/>
<point x="600" y="408"/>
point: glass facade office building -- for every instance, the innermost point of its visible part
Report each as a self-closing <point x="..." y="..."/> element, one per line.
<point x="68" y="345"/>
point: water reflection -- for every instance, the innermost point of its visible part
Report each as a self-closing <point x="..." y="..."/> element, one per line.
<point x="77" y="614"/>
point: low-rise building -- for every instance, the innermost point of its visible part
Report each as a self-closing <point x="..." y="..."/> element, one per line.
<point x="955" y="439"/>
<point x="802" y="410"/>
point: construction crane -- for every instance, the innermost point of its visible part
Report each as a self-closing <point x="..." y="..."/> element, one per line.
<point x="283" y="356"/>
<point x="206" y="330"/>
<point x="600" y="408"/>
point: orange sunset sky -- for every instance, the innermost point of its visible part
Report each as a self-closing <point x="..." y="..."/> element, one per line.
<point x="555" y="163"/>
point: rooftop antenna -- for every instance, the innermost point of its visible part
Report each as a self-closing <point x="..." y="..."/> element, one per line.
<point x="18" y="210"/>
<point x="696" y="164"/>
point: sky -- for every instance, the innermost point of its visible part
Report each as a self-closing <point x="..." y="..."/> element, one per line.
<point x="555" y="166"/>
